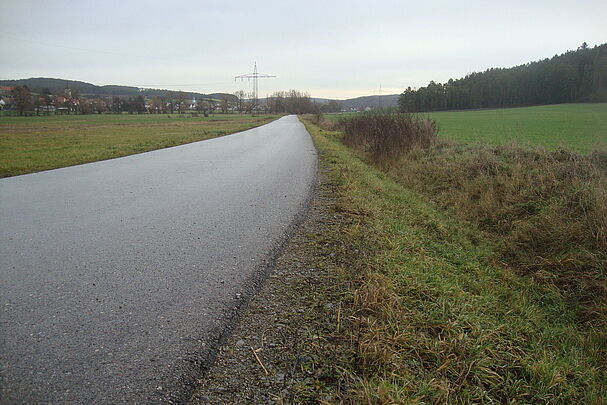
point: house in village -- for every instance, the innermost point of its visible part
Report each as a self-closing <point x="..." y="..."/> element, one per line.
<point x="66" y="104"/>
<point x="192" y="106"/>
<point x="5" y="91"/>
<point x="6" y="100"/>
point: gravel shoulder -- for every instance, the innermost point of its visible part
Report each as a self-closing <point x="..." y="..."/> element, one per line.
<point x="286" y="348"/>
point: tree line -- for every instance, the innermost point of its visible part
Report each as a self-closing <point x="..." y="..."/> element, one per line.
<point x="69" y="101"/>
<point x="574" y="76"/>
<point x="299" y="102"/>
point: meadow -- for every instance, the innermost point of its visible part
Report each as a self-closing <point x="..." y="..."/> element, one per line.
<point x="31" y="144"/>
<point x="580" y="127"/>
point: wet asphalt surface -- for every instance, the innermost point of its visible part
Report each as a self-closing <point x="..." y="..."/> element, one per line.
<point x="118" y="278"/>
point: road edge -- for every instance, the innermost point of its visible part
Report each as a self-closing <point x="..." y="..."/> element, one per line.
<point x="202" y="360"/>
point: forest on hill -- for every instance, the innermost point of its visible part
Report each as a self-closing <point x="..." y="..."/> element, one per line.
<point x="574" y="76"/>
<point x="57" y="86"/>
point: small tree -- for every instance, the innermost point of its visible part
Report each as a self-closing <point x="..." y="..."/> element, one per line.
<point x="22" y="97"/>
<point x="99" y="105"/>
<point x="240" y="99"/>
<point x="129" y="105"/>
<point x="116" y="105"/>
<point x="45" y="99"/>
<point x="203" y="107"/>
<point x="225" y="103"/>
<point x="212" y="105"/>
<point x="37" y="103"/>
<point x="85" y="106"/>
<point x="180" y="101"/>
<point x="156" y="105"/>
<point x="139" y="104"/>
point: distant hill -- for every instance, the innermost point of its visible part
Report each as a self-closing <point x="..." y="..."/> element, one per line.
<point x="360" y="103"/>
<point x="37" y="84"/>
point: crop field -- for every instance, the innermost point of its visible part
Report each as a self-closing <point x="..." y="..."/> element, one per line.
<point x="31" y="144"/>
<point x="581" y="127"/>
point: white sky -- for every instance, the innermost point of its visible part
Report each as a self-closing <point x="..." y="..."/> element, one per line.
<point x="333" y="49"/>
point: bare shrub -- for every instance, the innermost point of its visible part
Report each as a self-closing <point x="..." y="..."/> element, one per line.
<point x="385" y="136"/>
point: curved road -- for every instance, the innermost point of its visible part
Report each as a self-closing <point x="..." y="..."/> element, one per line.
<point x="118" y="277"/>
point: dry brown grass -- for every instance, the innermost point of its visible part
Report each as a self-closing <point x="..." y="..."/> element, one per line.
<point x="546" y="209"/>
<point x="433" y="317"/>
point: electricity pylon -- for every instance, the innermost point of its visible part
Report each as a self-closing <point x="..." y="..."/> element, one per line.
<point x="379" y="93"/>
<point x="255" y="76"/>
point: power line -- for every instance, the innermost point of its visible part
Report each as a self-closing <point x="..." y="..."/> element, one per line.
<point x="177" y="85"/>
<point x="379" y="96"/>
<point x="73" y="48"/>
<point x="255" y="76"/>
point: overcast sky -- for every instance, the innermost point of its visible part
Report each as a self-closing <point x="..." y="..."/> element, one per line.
<point x="333" y="49"/>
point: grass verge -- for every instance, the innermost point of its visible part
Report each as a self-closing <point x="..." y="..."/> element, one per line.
<point x="32" y="144"/>
<point x="432" y="317"/>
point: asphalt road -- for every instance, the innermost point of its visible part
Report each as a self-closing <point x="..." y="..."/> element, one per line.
<point x="117" y="278"/>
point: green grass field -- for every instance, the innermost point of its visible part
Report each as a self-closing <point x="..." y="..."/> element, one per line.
<point x="581" y="127"/>
<point x="31" y="144"/>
